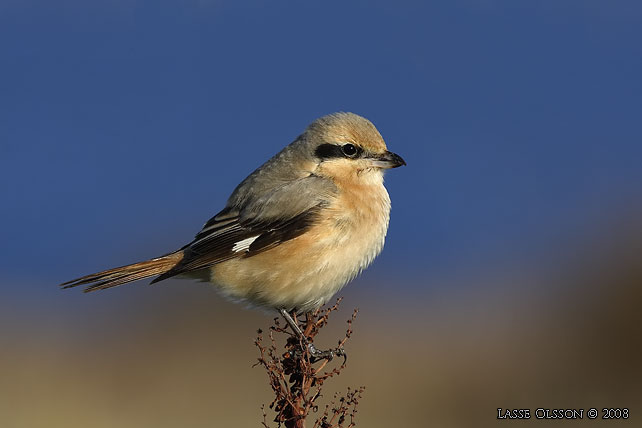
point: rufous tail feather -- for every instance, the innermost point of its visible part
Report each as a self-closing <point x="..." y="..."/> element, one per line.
<point x="121" y="275"/>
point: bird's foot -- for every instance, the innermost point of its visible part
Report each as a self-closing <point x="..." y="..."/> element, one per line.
<point x="306" y="344"/>
<point x="318" y="355"/>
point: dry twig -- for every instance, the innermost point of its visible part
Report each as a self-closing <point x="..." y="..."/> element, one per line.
<point x="296" y="383"/>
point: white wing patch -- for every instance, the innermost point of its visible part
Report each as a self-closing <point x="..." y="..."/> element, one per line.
<point x="244" y="245"/>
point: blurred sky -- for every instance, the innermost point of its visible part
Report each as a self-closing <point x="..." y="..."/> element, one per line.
<point x="124" y="125"/>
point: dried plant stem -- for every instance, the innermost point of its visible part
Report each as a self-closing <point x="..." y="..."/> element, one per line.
<point x="296" y="383"/>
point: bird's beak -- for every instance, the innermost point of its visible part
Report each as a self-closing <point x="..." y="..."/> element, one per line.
<point x="387" y="160"/>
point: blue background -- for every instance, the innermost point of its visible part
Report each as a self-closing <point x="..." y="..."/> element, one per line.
<point x="126" y="124"/>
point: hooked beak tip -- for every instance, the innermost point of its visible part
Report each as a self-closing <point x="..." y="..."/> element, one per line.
<point x="394" y="160"/>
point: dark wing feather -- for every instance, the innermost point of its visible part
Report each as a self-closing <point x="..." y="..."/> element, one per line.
<point x="216" y="245"/>
<point x="278" y="216"/>
<point x="277" y="233"/>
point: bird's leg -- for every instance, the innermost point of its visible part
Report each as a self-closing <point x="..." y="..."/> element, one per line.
<point x="295" y="327"/>
<point x="314" y="352"/>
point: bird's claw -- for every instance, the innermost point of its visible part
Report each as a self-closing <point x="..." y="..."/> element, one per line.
<point x="318" y="355"/>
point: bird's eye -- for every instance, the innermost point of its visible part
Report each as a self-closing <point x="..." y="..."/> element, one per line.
<point x="349" y="150"/>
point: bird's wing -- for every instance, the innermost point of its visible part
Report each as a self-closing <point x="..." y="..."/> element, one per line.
<point x="262" y="223"/>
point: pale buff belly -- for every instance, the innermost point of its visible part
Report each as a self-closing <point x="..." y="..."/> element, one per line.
<point x="307" y="271"/>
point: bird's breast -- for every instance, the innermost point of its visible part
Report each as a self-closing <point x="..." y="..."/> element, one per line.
<point x="306" y="271"/>
<point x="359" y="218"/>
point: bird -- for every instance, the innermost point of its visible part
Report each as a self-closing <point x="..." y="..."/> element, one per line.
<point x="295" y="231"/>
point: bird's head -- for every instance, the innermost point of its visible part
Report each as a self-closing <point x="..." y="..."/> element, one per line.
<point x="348" y="146"/>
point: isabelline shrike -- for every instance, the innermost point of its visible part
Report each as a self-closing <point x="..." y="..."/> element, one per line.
<point x="296" y="230"/>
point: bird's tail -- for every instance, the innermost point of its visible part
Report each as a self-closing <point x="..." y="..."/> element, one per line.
<point x="121" y="275"/>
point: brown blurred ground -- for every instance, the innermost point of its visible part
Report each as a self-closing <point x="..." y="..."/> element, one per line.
<point x="177" y="355"/>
